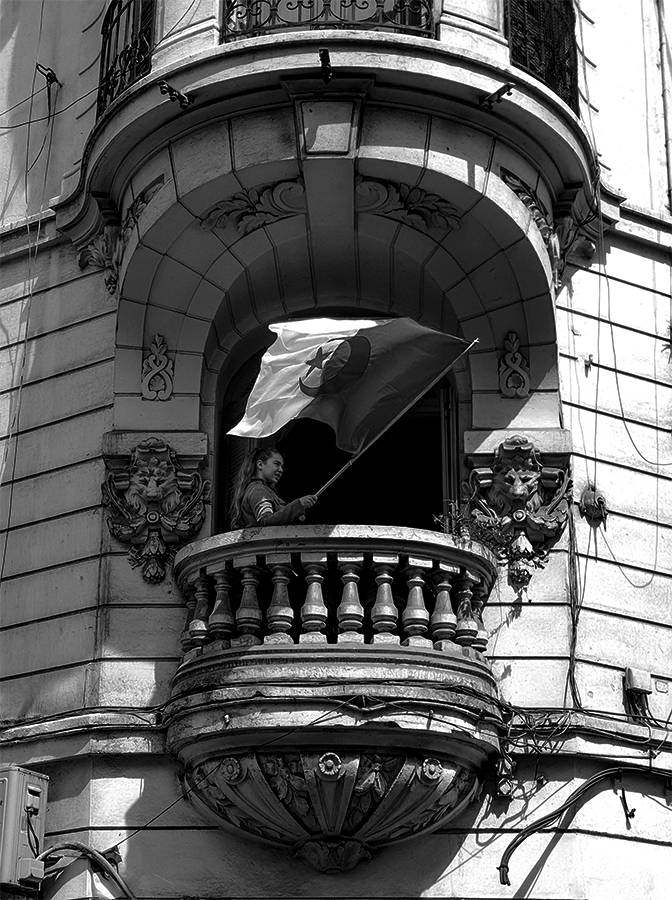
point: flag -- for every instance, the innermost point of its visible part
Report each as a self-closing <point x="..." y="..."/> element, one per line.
<point x="358" y="376"/>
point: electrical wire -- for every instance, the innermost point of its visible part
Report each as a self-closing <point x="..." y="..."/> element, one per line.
<point x="102" y="83"/>
<point x="21" y="102"/>
<point x="551" y="817"/>
<point x="96" y="857"/>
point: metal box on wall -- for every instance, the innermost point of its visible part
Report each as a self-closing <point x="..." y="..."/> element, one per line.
<point x="23" y="806"/>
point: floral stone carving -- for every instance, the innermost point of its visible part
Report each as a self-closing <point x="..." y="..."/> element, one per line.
<point x="332" y="810"/>
<point x="253" y="209"/>
<point x="410" y="205"/>
<point x="155" y="506"/>
<point x="519" y="506"/>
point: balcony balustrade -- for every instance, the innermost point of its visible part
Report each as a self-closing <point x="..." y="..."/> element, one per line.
<point x="351" y="584"/>
<point x="353" y="651"/>
<point x="249" y="18"/>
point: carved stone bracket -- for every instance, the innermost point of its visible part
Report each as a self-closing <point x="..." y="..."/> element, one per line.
<point x="332" y="810"/>
<point x="514" y="370"/>
<point x="106" y="250"/>
<point x="157" y="372"/>
<point x="156" y="503"/>
<point x="519" y="506"/>
<point x="560" y="232"/>
<point x="410" y="205"/>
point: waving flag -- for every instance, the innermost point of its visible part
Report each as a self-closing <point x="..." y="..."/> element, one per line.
<point x="357" y="376"/>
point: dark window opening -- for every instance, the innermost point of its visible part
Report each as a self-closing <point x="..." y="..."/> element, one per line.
<point x="126" y="53"/>
<point x="406" y="478"/>
<point x="542" y="42"/>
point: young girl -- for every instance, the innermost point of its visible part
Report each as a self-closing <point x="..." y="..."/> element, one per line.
<point x="255" y="501"/>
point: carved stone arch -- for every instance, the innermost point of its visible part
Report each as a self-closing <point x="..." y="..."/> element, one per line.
<point x="225" y="245"/>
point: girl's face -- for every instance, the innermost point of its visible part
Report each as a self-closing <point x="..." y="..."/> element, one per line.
<point x="271" y="470"/>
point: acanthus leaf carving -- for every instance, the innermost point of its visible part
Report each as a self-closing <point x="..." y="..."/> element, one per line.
<point x="155" y="506"/>
<point x="157" y="372"/>
<point x="519" y="507"/>
<point x="252" y="209"/>
<point x="106" y="249"/>
<point x="514" y="370"/>
<point x="273" y="796"/>
<point x="411" y="205"/>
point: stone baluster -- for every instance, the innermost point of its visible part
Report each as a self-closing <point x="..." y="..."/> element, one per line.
<point x="314" y="610"/>
<point x="190" y="600"/>
<point x="221" y="621"/>
<point x="280" y="614"/>
<point x="350" y="612"/>
<point x="198" y="628"/>
<point x="415" y="617"/>
<point x="384" y="614"/>
<point x="443" y="620"/>
<point x="480" y="595"/>
<point x="248" y="615"/>
<point x="467" y="626"/>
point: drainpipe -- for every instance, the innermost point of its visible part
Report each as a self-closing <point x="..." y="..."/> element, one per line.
<point x="665" y="75"/>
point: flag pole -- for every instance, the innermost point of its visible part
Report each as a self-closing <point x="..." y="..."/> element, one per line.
<point x="395" y="419"/>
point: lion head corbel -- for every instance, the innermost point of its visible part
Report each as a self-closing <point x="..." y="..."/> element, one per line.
<point x="523" y="503"/>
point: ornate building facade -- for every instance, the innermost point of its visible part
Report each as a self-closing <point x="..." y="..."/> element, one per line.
<point x="454" y="679"/>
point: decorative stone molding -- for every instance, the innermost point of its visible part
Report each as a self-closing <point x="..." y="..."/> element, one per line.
<point x="410" y="205"/>
<point x="104" y="252"/>
<point x="519" y="506"/>
<point x="331" y="809"/>
<point x="253" y="209"/>
<point x="156" y="504"/>
<point x="561" y="233"/>
<point x="157" y="372"/>
<point x="106" y="249"/>
<point x="514" y="370"/>
<point x="527" y="196"/>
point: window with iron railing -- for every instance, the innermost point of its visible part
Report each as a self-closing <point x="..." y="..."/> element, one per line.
<point x="542" y="42"/>
<point x="126" y="54"/>
<point x="250" y="18"/>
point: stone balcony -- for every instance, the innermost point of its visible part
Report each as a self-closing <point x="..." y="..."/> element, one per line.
<point x="333" y="697"/>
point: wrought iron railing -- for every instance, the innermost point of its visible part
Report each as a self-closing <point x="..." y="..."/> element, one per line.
<point x="362" y="584"/>
<point x="542" y="41"/>
<point x="126" y="55"/>
<point x="250" y="18"/>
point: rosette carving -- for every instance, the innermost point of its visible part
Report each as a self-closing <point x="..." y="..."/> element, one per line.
<point x="331" y="810"/>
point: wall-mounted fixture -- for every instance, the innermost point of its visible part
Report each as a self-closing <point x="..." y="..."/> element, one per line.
<point x="593" y="505"/>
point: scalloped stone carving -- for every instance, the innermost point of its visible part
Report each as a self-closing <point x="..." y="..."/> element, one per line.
<point x="332" y="810"/>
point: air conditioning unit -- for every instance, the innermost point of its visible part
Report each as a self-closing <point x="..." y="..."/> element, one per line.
<point x="23" y="808"/>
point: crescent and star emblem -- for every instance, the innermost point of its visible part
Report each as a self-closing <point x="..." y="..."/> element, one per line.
<point x="336" y="366"/>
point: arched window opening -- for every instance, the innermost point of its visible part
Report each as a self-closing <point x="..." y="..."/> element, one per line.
<point x="408" y="477"/>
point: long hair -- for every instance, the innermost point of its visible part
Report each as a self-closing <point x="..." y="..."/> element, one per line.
<point x="244" y="476"/>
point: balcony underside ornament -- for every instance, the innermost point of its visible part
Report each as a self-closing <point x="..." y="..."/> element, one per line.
<point x="155" y="506"/>
<point x="519" y="507"/>
<point x="333" y="810"/>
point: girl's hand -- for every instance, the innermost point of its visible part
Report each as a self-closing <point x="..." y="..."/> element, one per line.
<point x="308" y="501"/>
